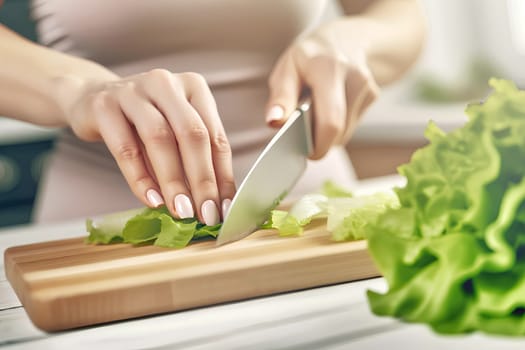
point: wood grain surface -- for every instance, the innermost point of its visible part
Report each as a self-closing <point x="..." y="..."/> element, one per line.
<point x="68" y="284"/>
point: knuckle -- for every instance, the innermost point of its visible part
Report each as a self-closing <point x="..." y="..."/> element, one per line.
<point x="327" y="63"/>
<point x="334" y="119"/>
<point x="126" y="91"/>
<point x="322" y="60"/>
<point x="159" y="135"/>
<point x="228" y="186"/>
<point x="220" y="144"/>
<point x="101" y="101"/>
<point x="358" y="73"/>
<point x="332" y="126"/>
<point x="374" y="92"/>
<point x="129" y="151"/>
<point x="194" y="79"/>
<point x="160" y="74"/>
<point x="195" y="134"/>
<point x="207" y="184"/>
<point x="321" y="69"/>
<point x="158" y="78"/>
<point x="176" y="185"/>
<point x="143" y="181"/>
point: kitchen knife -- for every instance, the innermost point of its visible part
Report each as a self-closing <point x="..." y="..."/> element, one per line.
<point x="273" y="175"/>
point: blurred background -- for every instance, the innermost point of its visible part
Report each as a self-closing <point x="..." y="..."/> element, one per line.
<point x="468" y="42"/>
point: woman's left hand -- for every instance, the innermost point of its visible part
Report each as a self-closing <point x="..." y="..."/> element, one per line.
<point x="341" y="86"/>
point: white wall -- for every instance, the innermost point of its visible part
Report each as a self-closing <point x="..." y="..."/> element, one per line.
<point x="460" y="31"/>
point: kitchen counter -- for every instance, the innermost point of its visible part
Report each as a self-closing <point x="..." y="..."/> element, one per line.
<point x="23" y="151"/>
<point x="333" y="317"/>
<point x="15" y="132"/>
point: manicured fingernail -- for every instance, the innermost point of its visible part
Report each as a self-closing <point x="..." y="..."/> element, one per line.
<point x="274" y="114"/>
<point x="154" y="198"/>
<point x="210" y="213"/>
<point x="183" y="206"/>
<point x="226" y="206"/>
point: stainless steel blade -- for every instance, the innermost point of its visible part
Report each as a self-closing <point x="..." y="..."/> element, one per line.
<point x="272" y="176"/>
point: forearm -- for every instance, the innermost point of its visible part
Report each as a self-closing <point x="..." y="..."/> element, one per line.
<point x="38" y="84"/>
<point x="390" y="32"/>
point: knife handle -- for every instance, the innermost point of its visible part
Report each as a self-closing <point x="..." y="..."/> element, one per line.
<point x="303" y="107"/>
<point x="304" y="104"/>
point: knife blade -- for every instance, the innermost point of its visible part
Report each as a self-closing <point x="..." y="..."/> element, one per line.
<point x="273" y="175"/>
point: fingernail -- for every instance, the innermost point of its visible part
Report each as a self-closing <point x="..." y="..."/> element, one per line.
<point x="210" y="213"/>
<point x="226" y="206"/>
<point x="274" y="114"/>
<point x="154" y="198"/>
<point x="183" y="206"/>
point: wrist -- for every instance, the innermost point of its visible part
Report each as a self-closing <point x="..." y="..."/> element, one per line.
<point x="67" y="92"/>
<point x="69" y="89"/>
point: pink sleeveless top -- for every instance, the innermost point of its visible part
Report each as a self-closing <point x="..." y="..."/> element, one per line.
<point x="232" y="43"/>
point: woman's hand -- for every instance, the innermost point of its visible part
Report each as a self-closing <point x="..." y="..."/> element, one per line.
<point x="341" y="87"/>
<point x="165" y="133"/>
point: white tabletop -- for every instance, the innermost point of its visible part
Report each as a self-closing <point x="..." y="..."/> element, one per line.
<point x="331" y="317"/>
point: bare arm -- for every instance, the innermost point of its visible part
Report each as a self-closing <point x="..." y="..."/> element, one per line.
<point x="391" y="31"/>
<point x="37" y="83"/>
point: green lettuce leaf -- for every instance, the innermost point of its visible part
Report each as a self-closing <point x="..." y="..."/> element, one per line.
<point x="453" y="252"/>
<point x="175" y="233"/>
<point x="148" y="226"/>
<point x="284" y="223"/>
<point x="108" y="229"/>
<point x="331" y="189"/>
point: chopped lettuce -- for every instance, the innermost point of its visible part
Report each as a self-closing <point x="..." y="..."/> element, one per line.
<point x="331" y="189"/>
<point x="347" y="216"/>
<point x="453" y="252"/>
<point x="148" y="226"/>
<point x="286" y="224"/>
<point x="109" y="228"/>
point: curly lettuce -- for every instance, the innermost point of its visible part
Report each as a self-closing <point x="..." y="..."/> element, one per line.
<point x="453" y="252"/>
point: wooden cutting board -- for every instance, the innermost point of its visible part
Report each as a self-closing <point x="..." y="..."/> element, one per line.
<point x="67" y="284"/>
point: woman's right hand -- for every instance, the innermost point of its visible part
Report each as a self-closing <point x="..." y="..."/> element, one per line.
<point x="165" y="133"/>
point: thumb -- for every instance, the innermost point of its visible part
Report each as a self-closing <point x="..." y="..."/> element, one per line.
<point x="284" y="88"/>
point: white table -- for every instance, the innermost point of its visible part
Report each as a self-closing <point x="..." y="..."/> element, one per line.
<point x="333" y="317"/>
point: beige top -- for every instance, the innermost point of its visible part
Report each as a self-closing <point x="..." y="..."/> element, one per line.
<point x="232" y="43"/>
